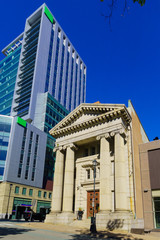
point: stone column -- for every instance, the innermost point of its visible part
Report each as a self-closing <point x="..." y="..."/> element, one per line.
<point x="68" y="180"/>
<point x="105" y="172"/>
<point x="58" y="182"/>
<point x="120" y="175"/>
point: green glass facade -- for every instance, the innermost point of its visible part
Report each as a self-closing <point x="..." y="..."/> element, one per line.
<point x="55" y="112"/>
<point x="5" y="128"/>
<point x="8" y="74"/>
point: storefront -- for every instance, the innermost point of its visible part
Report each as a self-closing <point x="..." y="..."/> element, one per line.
<point x="20" y="205"/>
<point x="43" y="206"/>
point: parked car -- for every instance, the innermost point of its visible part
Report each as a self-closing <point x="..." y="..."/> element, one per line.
<point x="31" y="216"/>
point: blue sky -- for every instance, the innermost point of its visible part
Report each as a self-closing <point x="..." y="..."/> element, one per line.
<point x="121" y="64"/>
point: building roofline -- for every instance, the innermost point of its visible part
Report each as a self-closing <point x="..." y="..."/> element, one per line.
<point x="12" y="44"/>
<point x="1" y="115"/>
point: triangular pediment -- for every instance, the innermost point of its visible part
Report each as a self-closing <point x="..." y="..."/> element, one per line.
<point x="85" y="117"/>
<point x="89" y="114"/>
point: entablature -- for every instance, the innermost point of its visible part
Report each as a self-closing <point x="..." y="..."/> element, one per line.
<point x="88" y="135"/>
<point x="69" y="124"/>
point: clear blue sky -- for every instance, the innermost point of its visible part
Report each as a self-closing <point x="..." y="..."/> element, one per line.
<point x="122" y="64"/>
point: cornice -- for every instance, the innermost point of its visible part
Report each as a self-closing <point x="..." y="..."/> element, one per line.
<point x="104" y="117"/>
<point x="86" y="108"/>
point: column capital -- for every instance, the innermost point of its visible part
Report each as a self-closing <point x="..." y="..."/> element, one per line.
<point x="121" y="132"/>
<point x="98" y="138"/>
<point x="72" y="146"/>
<point x="58" y="148"/>
<point x="112" y="134"/>
<point x="106" y="135"/>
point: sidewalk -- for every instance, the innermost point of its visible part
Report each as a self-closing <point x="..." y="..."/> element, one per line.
<point x="84" y="233"/>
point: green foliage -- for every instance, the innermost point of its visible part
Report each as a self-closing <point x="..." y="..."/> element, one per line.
<point x="141" y="2"/>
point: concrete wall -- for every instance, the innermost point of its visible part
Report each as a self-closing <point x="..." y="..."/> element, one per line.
<point x="138" y="136"/>
<point x="14" y="152"/>
<point x="148" y="175"/>
<point x="154" y="166"/>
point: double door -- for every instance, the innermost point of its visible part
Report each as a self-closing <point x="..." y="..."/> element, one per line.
<point x="90" y="203"/>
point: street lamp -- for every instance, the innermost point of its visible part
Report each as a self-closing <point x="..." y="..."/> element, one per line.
<point x="93" y="220"/>
<point x="6" y="217"/>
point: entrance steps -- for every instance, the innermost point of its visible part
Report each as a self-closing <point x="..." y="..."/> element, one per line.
<point x="85" y="223"/>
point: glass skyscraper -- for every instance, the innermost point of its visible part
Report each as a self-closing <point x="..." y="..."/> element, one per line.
<point x="5" y="127"/>
<point x="48" y="63"/>
<point x="42" y="77"/>
<point x="48" y="113"/>
<point x="8" y="74"/>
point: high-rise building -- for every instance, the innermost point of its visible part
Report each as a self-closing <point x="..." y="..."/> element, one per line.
<point x="48" y="63"/>
<point x="45" y="66"/>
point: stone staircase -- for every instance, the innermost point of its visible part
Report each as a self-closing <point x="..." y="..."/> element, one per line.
<point x="85" y="223"/>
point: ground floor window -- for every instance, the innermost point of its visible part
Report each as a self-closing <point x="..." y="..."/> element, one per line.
<point x="157" y="211"/>
<point x="43" y="205"/>
<point x="20" y="205"/>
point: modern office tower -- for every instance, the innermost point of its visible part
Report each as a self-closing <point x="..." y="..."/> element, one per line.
<point x="49" y="67"/>
<point x="22" y="151"/>
<point x="22" y="158"/>
<point x="8" y="74"/>
<point x="48" y="63"/>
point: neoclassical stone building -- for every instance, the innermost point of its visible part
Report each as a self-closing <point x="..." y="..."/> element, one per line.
<point x="109" y="133"/>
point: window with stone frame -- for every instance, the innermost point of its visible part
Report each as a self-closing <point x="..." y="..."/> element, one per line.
<point x="88" y="173"/>
<point x="24" y="191"/>
<point x="93" y="150"/>
<point x="85" y="152"/>
<point x="16" y="189"/>
<point x="39" y="193"/>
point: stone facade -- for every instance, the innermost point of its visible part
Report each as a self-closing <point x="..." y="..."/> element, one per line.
<point x="8" y="195"/>
<point x="101" y="132"/>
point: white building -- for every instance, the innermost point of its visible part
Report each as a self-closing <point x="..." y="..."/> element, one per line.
<point x="105" y="132"/>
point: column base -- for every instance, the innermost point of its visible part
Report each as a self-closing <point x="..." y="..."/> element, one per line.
<point x="114" y="220"/>
<point x="60" y="218"/>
